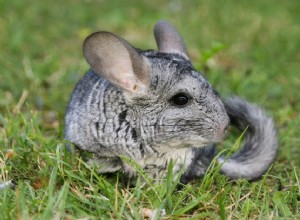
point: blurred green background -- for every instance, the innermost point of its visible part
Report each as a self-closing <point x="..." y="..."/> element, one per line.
<point x="245" y="48"/>
<point x="251" y="49"/>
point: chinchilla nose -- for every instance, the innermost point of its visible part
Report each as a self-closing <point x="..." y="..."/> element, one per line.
<point x="221" y="131"/>
<point x="226" y="128"/>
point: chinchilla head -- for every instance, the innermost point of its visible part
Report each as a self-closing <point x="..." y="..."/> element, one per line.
<point x="170" y="102"/>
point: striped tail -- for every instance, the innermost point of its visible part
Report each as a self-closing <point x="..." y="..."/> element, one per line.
<point x="261" y="144"/>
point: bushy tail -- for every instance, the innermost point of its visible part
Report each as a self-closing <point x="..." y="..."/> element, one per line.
<point x="260" y="148"/>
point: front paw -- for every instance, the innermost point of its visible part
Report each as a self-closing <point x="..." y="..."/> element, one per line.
<point x="129" y="170"/>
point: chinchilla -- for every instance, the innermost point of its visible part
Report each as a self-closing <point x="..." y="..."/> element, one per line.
<point x="153" y="107"/>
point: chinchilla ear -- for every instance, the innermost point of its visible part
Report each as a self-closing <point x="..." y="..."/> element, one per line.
<point x="117" y="61"/>
<point x="168" y="39"/>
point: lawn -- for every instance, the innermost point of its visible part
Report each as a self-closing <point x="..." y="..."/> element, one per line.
<point x="245" y="48"/>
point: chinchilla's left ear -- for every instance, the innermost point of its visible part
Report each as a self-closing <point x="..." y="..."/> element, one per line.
<point x="168" y="39"/>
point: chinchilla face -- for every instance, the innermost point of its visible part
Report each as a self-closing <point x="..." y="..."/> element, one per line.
<point x="180" y="108"/>
<point x="170" y="103"/>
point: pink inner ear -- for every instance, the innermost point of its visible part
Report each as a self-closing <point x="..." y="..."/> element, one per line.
<point x="122" y="74"/>
<point x="116" y="60"/>
<point x="129" y="85"/>
<point x="126" y="82"/>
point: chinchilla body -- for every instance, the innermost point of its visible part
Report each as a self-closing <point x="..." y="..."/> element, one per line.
<point x="153" y="107"/>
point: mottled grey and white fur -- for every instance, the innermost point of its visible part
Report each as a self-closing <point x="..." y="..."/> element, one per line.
<point x="154" y="107"/>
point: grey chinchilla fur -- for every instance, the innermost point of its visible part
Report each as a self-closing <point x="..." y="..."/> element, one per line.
<point x="154" y="107"/>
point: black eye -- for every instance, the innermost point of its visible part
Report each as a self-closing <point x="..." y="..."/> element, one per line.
<point x="180" y="100"/>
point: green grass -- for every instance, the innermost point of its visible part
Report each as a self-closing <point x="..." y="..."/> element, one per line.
<point x="248" y="48"/>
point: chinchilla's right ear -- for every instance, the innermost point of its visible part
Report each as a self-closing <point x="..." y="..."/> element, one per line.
<point x="117" y="61"/>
